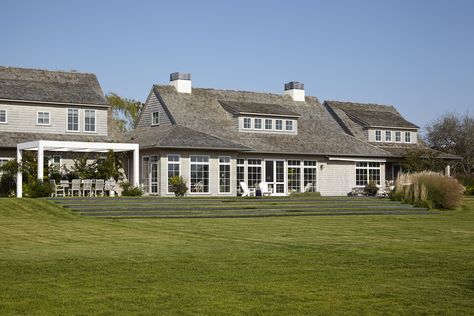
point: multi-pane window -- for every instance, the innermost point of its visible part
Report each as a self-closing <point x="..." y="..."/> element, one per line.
<point x="155" y="118"/>
<point x="3" y="116"/>
<point x="279" y="125"/>
<point x="378" y="136"/>
<point x="173" y="167"/>
<point x="398" y="136"/>
<point x="42" y="118"/>
<point x="257" y="123"/>
<point x="294" y="176"/>
<point x="89" y="120"/>
<point x="289" y="125"/>
<point x="309" y="176"/>
<point x="407" y="137"/>
<point x="367" y="172"/>
<point x="73" y="120"/>
<point x="3" y="161"/>
<point x="247" y="123"/>
<point x="254" y="172"/>
<point x="268" y="124"/>
<point x="199" y="166"/>
<point x="388" y="136"/>
<point x="154" y="174"/>
<point x="240" y="172"/>
<point x="224" y="174"/>
<point x="145" y="172"/>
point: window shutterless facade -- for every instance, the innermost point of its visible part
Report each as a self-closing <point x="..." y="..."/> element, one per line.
<point x="279" y="125"/>
<point x="224" y="174"/>
<point x="289" y="126"/>
<point x="378" y="136"/>
<point x="154" y="174"/>
<point x="398" y="136"/>
<point x="247" y="123"/>
<point x="388" y="136"/>
<point x="257" y="123"/>
<point x="3" y="116"/>
<point x="146" y="173"/>
<point x="89" y="121"/>
<point x="173" y="168"/>
<point x="294" y="176"/>
<point x="407" y="137"/>
<point x="199" y="177"/>
<point x="367" y="172"/>
<point x="254" y="172"/>
<point x="155" y="118"/>
<point x="73" y="120"/>
<point x="240" y="173"/>
<point x="43" y="118"/>
<point x="268" y="124"/>
<point x="309" y="175"/>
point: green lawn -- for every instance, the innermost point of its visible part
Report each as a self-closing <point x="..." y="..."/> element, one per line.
<point x="54" y="261"/>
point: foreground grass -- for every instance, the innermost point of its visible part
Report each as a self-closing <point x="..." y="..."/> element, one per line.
<point x="56" y="262"/>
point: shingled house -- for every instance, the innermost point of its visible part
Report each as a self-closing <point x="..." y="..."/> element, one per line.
<point x="219" y="138"/>
<point x="53" y="113"/>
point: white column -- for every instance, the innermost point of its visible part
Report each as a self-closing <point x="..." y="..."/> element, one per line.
<point x="40" y="161"/>
<point x="19" y="176"/>
<point x="136" y="167"/>
<point x="447" y="170"/>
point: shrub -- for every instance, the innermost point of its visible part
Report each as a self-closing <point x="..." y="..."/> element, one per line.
<point x="8" y="179"/>
<point x="178" y="185"/>
<point x="428" y="189"/>
<point x="466" y="179"/>
<point x="130" y="190"/>
<point x="469" y="190"/>
<point x="36" y="188"/>
<point x="371" y="188"/>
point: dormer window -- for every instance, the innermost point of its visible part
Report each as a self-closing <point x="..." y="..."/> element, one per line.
<point x="407" y="137"/>
<point x="388" y="136"/>
<point x="398" y="136"/>
<point x="279" y="125"/>
<point x="247" y="123"/>
<point x="378" y="136"/>
<point x="268" y="124"/>
<point x="257" y="123"/>
<point x="3" y="116"/>
<point x="289" y="125"/>
<point x="155" y="118"/>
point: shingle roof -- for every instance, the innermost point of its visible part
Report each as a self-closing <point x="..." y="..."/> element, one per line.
<point x="257" y="108"/>
<point x="400" y="150"/>
<point x="50" y="86"/>
<point x="369" y="115"/>
<point x="176" y="136"/>
<point x="318" y="133"/>
<point x="11" y="139"/>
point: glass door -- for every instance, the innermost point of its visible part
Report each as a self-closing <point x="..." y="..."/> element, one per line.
<point x="154" y="175"/>
<point x="275" y="176"/>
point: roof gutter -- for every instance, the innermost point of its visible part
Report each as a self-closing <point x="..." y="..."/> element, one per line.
<point x="56" y="103"/>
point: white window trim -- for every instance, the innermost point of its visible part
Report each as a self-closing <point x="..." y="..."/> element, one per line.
<point x="283" y="125"/>
<point x="6" y="116"/>
<point x="405" y="137"/>
<point x="152" y="120"/>
<point x="167" y="163"/>
<point x="95" y="122"/>
<point x="78" y="121"/>
<point x="395" y="138"/>
<point x="219" y="164"/>
<point x="200" y="163"/>
<point x="265" y="124"/>
<point x="243" y="123"/>
<point x="367" y="168"/>
<point x="292" y="126"/>
<point x="37" y="118"/>
<point x="389" y="133"/>
<point x="261" y="124"/>
<point x="375" y="135"/>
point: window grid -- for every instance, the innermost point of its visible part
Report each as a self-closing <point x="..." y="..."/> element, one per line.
<point x="3" y="116"/>
<point x="268" y="124"/>
<point x="254" y="172"/>
<point x="367" y="172"/>
<point x="407" y="137"/>
<point x="224" y="174"/>
<point x="155" y="118"/>
<point x="289" y="125"/>
<point x="89" y="120"/>
<point x="199" y="168"/>
<point x="378" y="136"/>
<point x="309" y="175"/>
<point x="247" y="123"/>
<point x="388" y="136"/>
<point x="294" y="176"/>
<point x="73" y="120"/>
<point x="43" y="118"/>
<point x="173" y="168"/>
<point x="257" y="123"/>
<point x="279" y="125"/>
<point x="398" y="136"/>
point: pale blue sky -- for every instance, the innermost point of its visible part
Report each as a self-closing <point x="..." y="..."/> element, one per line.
<point x="416" y="55"/>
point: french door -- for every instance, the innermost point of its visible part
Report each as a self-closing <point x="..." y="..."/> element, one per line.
<point x="275" y="176"/>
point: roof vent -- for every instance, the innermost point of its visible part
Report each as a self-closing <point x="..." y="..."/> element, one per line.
<point x="181" y="81"/>
<point x="295" y="90"/>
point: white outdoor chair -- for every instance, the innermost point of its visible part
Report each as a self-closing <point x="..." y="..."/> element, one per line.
<point x="110" y="187"/>
<point x="57" y="190"/>
<point x="76" y="186"/>
<point x="265" y="189"/>
<point x="99" y="187"/>
<point x="308" y="187"/>
<point x="246" y="191"/>
<point x="87" y="187"/>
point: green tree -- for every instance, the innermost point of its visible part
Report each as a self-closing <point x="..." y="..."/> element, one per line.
<point x="125" y="111"/>
<point x="418" y="160"/>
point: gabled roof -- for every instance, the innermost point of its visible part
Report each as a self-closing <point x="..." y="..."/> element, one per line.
<point x="176" y="136"/>
<point x="318" y="133"/>
<point x="50" y="86"/>
<point x="257" y="108"/>
<point x="369" y="115"/>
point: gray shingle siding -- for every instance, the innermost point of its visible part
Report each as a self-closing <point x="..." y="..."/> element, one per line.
<point x="153" y="104"/>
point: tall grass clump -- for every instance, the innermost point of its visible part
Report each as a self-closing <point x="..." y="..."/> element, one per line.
<point x="428" y="189"/>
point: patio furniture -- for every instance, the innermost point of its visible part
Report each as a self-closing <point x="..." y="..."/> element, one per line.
<point x="265" y="189"/>
<point x="65" y="185"/>
<point x="76" y="186"/>
<point x="99" y="187"/>
<point x="87" y="187"/>
<point x="57" y="190"/>
<point x="308" y="187"/>
<point x="358" y="191"/>
<point x="246" y="191"/>
<point x="110" y="187"/>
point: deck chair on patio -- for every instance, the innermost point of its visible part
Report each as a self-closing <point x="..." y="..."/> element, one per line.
<point x="246" y="191"/>
<point x="99" y="187"/>
<point x="76" y="186"/>
<point x="264" y="188"/>
<point x="110" y="187"/>
<point x="87" y="187"/>
<point x="308" y="187"/>
<point x="57" y="190"/>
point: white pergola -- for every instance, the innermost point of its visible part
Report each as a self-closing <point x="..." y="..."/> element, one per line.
<point x="65" y="146"/>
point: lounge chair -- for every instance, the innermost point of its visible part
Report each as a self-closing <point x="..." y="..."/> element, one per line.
<point x="264" y="188"/>
<point x="87" y="187"/>
<point x="76" y="186"/>
<point x="99" y="187"/>
<point x="57" y="190"/>
<point x="245" y="189"/>
<point x="308" y="187"/>
<point x="110" y="186"/>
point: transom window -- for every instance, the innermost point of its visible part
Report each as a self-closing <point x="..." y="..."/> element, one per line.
<point x="388" y="136"/>
<point x="367" y="172"/>
<point x="155" y="118"/>
<point x="3" y="116"/>
<point x="89" y="120"/>
<point x="268" y="124"/>
<point x="378" y="136"/>
<point x="279" y="125"/>
<point x="199" y="167"/>
<point x="73" y="120"/>
<point x="224" y="174"/>
<point x="43" y="118"/>
<point x="173" y="167"/>
<point x="407" y="137"/>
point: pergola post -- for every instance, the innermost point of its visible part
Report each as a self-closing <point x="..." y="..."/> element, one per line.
<point x="40" y="161"/>
<point x="447" y="170"/>
<point x="19" y="175"/>
<point x="136" y="166"/>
